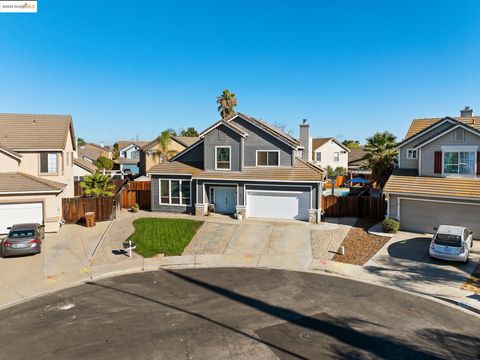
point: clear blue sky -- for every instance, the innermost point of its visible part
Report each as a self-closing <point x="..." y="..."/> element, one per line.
<point x="350" y="67"/>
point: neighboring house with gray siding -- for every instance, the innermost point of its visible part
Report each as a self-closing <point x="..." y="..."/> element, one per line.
<point x="438" y="176"/>
<point x="243" y="166"/>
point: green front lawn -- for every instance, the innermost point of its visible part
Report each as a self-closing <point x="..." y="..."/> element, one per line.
<point x="163" y="236"/>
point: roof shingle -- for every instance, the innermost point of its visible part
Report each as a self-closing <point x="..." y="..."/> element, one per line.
<point x="17" y="182"/>
<point x="28" y="131"/>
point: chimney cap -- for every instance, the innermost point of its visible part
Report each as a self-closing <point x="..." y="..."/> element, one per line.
<point x="466" y="112"/>
<point x="304" y="121"/>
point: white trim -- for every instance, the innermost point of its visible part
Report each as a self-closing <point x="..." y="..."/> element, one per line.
<point x="420" y="133"/>
<point x="411" y="157"/>
<point x="268" y="132"/>
<point x="169" y="174"/>
<point x="224" y="184"/>
<point x="170" y="192"/>
<point x="226" y="123"/>
<point x="184" y="151"/>
<point x="229" y="147"/>
<point x="455" y="148"/>
<point x="419" y="155"/>
<point x="446" y="132"/>
<point x="18" y="157"/>
<point x="459" y="149"/>
<point x="256" y="184"/>
<point x="267" y="151"/>
<point x="128" y="147"/>
<point x="264" y="180"/>
<point x="430" y="200"/>
<point x="388" y="205"/>
<point x="33" y="192"/>
<point x="432" y="196"/>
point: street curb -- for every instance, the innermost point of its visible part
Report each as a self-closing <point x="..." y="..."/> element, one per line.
<point x="329" y="272"/>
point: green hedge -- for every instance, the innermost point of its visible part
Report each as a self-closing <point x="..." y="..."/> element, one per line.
<point x="391" y="226"/>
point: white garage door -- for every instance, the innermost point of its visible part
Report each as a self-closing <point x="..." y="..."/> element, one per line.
<point x="11" y="214"/>
<point x="423" y="216"/>
<point x="278" y="204"/>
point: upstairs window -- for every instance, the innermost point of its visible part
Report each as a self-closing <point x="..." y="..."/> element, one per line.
<point x="459" y="162"/>
<point x="222" y="159"/>
<point x="268" y="158"/>
<point x="411" y="154"/>
<point x="49" y="163"/>
<point x="318" y="156"/>
<point x="336" y="156"/>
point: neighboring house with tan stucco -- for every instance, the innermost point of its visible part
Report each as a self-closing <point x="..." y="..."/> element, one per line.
<point x="82" y="168"/>
<point x="151" y="153"/>
<point x="37" y="155"/>
<point x="91" y="152"/>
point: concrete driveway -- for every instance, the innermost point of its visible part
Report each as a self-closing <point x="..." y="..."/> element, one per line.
<point x="252" y="237"/>
<point x="405" y="261"/>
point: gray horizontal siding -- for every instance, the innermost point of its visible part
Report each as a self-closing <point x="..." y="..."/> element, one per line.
<point x="193" y="155"/>
<point x="259" y="139"/>
<point x="428" y="151"/>
<point x="222" y="136"/>
<point x="155" y="196"/>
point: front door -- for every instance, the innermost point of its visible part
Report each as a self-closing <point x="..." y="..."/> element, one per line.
<point x="225" y="200"/>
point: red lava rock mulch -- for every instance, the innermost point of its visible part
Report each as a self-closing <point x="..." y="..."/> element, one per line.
<point x="359" y="245"/>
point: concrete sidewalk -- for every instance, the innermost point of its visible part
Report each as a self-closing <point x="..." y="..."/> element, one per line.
<point x="16" y="294"/>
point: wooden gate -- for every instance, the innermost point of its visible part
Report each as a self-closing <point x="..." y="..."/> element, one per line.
<point x="74" y="209"/>
<point x="137" y="192"/>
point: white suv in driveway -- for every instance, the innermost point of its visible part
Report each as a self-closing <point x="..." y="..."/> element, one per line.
<point x="451" y="243"/>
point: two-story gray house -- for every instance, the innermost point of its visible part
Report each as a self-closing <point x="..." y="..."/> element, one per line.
<point x="242" y="165"/>
<point x="438" y="176"/>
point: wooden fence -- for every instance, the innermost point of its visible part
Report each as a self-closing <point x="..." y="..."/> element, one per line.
<point x="355" y="206"/>
<point x="74" y="209"/>
<point x="137" y="192"/>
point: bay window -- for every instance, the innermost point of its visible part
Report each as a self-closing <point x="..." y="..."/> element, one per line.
<point x="175" y="192"/>
<point x="459" y="162"/>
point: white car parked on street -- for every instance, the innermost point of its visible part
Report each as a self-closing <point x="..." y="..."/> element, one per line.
<point x="451" y="243"/>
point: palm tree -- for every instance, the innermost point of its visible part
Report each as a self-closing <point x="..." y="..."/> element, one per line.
<point x="381" y="156"/>
<point x="97" y="184"/>
<point x="164" y="145"/>
<point x="226" y="104"/>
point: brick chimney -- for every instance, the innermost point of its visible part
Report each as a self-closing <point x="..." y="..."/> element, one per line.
<point x="467" y="112"/>
<point x="306" y="140"/>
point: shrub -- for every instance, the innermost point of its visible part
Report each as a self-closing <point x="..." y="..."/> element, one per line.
<point x="103" y="163"/>
<point x="391" y="226"/>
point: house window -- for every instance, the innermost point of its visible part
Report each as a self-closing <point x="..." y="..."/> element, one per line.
<point x="459" y="162"/>
<point x="459" y="135"/>
<point x="336" y="156"/>
<point x="268" y="158"/>
<point x="48" y="163"/>
<point x="175" y="192"/>
<point x="222" y="160"/>
<point x="318" y="156"/>
<point x="411" y="154"/>
<point x="134" y="155"/>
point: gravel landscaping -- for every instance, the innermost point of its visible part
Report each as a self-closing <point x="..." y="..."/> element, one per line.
<point x="328" y="236"/>
<point x="359" y="245"/>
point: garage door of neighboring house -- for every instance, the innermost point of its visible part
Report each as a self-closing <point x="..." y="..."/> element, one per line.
<point x="11" y="214"/>
<point x="423" y="216"/>
<point x="278" y="204"/>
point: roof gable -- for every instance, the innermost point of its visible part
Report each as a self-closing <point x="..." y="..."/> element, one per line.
<point x="319" y="142"/>
<point x="424" y="131"/>
<point x="36" y="132"/>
